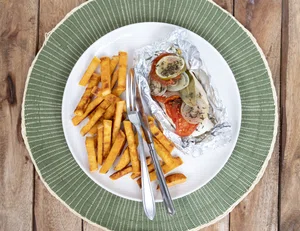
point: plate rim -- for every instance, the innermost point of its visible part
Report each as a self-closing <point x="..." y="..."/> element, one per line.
<point x="228" y="210"/>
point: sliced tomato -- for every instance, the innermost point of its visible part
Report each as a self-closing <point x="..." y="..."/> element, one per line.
<point x="154" y="76"/>
<point x="164" y="99"/>
<point x="183" y="128"/>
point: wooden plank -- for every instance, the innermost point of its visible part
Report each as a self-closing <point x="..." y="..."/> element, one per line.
<point x="259" y="210"/>
<point x="290" y="158"/>
<point x="18" y="32"/>
<point x="225" y="4"/>
<point x="223" y="224"/>
<point x="49" y="213"/>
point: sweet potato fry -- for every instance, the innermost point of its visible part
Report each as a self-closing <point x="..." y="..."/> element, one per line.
<point x="92" y="105"/>
<point x="124" y="160"/>
<point x="126" y="170"/>
<point x="87" y="95"/>
<point x="132" y="147"/>
<point x="165" y="168"/>
<point x="113" y="63"/>
<point x="94" y="129"/>
<point x="174" y="179"/>
<point x="96" y="91"/>
<point x="90" y="147"/>
<point x="117" y="119"/>
<point x="108" y="100"/>
<point x="107" y="124"/>
<point x="121" y="173"/>
<point x="114" y="78"/>
<point x="105" y="76"/>
<point x="151" y="119"/>
<point x="110" y="112"/>
<point x="169" y="146"/>
<point x="90" y="70"/>
<point x="92" y="121"/>
<point x="150" y="169"/>
<point x="114" y="152"/>
<point x="90" y="116"/>
<point x="100" y="136"/>
<point x="122" y="73"/>
<point x="163" y="153"/>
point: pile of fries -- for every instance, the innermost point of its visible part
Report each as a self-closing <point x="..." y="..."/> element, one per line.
<point x="108" y="133"/>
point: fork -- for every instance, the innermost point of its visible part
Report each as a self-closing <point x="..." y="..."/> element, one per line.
<point x="134" y="117"/>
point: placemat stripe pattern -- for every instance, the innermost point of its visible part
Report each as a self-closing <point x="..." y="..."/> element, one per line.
<point x="42" y="126"/>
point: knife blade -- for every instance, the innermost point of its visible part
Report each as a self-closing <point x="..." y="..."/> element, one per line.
<point x="148" y="137"/>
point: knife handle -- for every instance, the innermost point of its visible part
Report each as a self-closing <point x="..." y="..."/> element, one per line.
<point x="162" y="181"/>
<point x="147" y="193"/>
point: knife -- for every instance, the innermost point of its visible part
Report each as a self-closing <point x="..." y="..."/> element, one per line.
<point x="148" y="137"/>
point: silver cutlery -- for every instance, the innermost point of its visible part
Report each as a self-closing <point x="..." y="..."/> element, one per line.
<point x="148" y="136"/>
<point x="135" y="118"/>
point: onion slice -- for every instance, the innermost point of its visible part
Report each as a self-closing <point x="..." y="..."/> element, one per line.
<point x="183" y="82"/>
<point x="157" y="89"/>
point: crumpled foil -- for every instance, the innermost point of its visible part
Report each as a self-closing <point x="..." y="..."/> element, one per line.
<point x="177" y="42"/>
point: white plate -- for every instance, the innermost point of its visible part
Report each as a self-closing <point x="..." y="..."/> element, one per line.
<point x="198" y="170"/>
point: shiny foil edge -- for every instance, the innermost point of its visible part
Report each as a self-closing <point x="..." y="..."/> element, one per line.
<point x="221" y="133"/>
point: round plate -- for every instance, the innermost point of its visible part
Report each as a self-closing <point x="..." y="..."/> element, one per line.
<point x="42" y="122"/>
<point x="199" y="170"/>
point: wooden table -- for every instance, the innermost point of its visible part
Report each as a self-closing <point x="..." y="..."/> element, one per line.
<point x="25" y="204"/>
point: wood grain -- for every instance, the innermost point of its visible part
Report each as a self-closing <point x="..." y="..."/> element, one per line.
<point x="49" y="213"/>
<point x="259" y="211"/>
<point x="290" y="168"/>
<point x="223" y="224"/>
<point x="226" y="5"/>
<point x="18" y="32"/>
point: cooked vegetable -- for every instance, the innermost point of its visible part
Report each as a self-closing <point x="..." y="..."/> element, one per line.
<point x="87" y="95"/>
<point x="90" y="70"/>
<point x="110" y="112"/>
<point x="114" y="78"/>
<point x="90" y="147"/>
<point x="125" y="171"/>
<point x="157" y="89"/>
<point x="174" y="179"/>
<point x="113" y="63"/>
<point x="155" y="77"/>
<point x="196" y="114"/>
<point x="132" y="147"/>
<point x="108" y="100"/>
<point x="183" y="128"/>
<point x="107" y="126"/>
<point x="165" y="168"/>
<point x="150" y="169"/>
<point x="94" y="129"/>
<point x="92" y="105"/>
<point x="168" y="145"/>
<point x="168" y="96"/>
<point x="124" y="160"/>
<point x="163" y="153"/>
<point x="105" y="75"/>
<point x="99" y="112"/>
<point x="114" y="152"/>
<point x="122" y="73"/>
<point x="170" y="66"/>
<point x="117" y="119"/>
<point x="180" y="84"/>
<point x="100" y="136"/>
<point x="188" y="94"/>
<point x="121" y="173"/>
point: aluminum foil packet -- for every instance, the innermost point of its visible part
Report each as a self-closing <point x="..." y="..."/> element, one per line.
<point x="219" y="132"/>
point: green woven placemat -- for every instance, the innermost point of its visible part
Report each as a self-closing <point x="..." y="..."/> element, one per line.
<point x="42" y="125"/>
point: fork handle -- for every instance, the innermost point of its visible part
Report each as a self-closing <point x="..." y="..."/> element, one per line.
<point x="161" y="180"/>
<point x="148" y="198"/>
